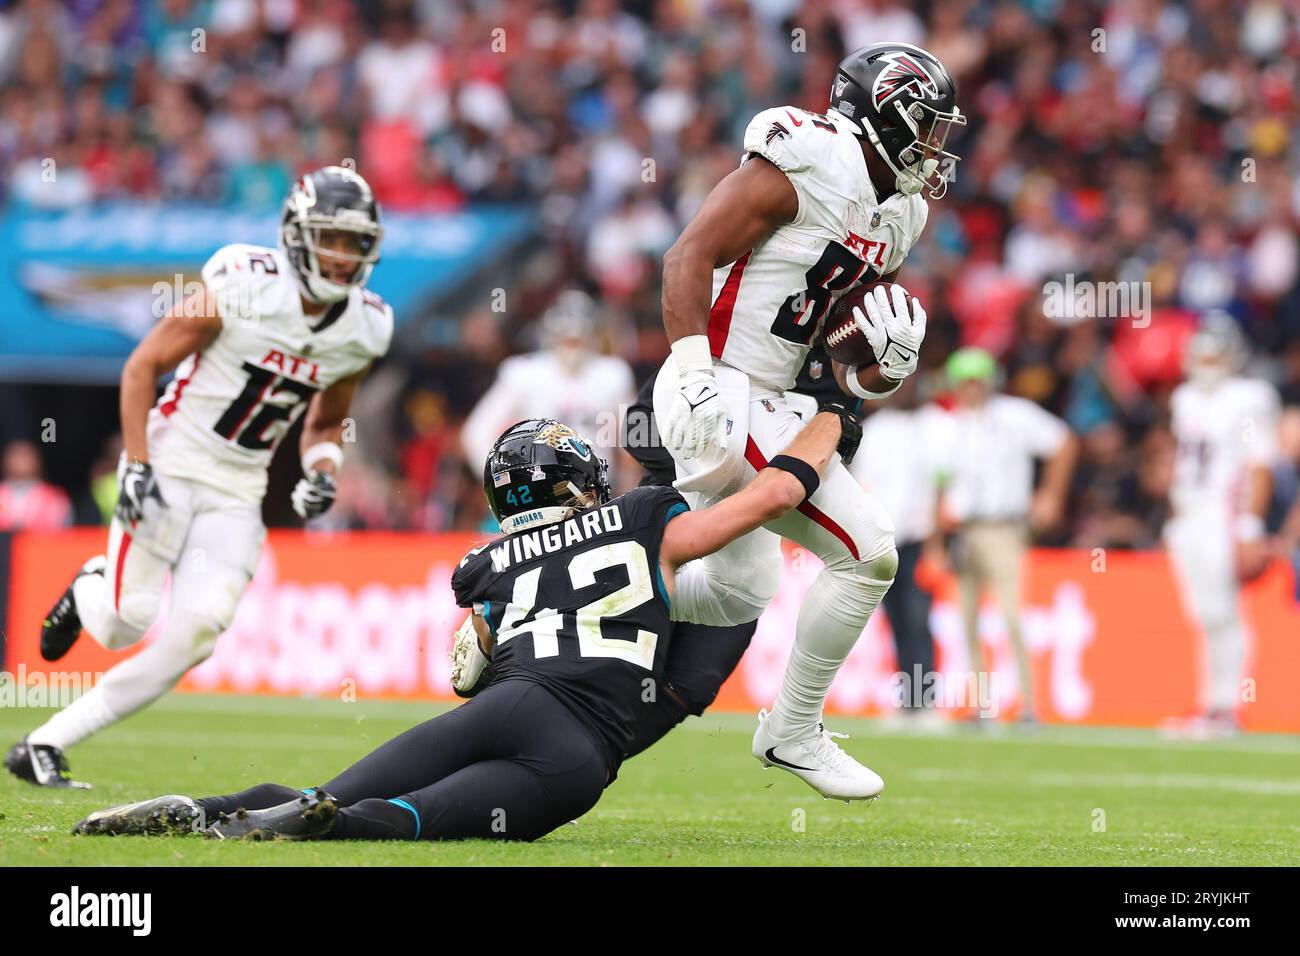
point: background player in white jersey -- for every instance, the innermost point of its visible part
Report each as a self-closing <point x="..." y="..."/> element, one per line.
<point x="819" y="204"/>
<point x="1226" y="428"/>
<point x="274" y="331"/>
<point x="566" y="379"/>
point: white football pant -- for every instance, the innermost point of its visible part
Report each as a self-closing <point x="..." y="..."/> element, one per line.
<point x="210" y="543"/>
<point x="841" y="523"/>
<point x="1202" y="554"/>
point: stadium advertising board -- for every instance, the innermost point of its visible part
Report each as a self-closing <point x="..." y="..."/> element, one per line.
<point x="369" y="615"/>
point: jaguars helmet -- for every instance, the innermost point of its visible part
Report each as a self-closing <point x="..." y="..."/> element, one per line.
<point x="331" y="198"/>
<point x="538" y="473"/>
<point x="902" y="99"/>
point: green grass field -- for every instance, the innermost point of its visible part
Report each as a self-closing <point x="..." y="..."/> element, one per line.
<point x="972" y="797"/>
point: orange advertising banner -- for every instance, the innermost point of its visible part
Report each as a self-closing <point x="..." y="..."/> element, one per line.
<point x="370" y="614"/>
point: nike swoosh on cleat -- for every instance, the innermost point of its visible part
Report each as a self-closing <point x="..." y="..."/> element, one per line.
<point x="772" y="757"/>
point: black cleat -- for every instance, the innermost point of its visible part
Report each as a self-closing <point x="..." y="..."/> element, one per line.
<point x="62" y="625"/>
<point x="172" y="815"/>
<point x="42" y="765"/>
<point x="309" y="817"/>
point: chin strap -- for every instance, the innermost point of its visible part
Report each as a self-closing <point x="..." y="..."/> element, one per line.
<point x="906" y="181"/>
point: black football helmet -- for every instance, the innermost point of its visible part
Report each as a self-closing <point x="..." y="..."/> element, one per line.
<point x="903" y="100"/>
<point x="331" y="198"/>
<point x="535" y="472"/>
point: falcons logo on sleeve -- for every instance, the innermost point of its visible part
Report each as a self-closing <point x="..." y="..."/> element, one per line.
<point x="903" y="73"/>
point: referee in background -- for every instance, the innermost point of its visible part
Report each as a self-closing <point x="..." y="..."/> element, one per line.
<point x="991" y="497"/>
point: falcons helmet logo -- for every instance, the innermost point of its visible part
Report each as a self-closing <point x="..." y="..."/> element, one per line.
<point x="904" y="73"/>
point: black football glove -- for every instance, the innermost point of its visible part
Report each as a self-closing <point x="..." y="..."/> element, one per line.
<point x="314" y="494"/>
<point x="136" y="486"/>
<point x="850" y="430"/>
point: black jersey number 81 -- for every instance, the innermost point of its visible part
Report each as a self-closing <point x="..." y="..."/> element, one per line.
<point x="800" y="315"/>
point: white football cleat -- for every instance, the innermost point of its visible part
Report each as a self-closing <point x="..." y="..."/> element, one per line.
<point x="819" y="762"/>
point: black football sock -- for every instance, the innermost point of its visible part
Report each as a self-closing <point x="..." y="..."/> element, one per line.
<point x="375" y="819"/>
<point x="260" y="797"/>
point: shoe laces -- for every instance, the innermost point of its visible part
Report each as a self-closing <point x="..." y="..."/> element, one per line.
<point x="824" y="747"/>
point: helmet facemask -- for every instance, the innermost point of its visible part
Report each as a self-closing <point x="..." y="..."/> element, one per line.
<point x="918" y="141"/>
<point x="331" y="218"/>
<point x="1215" y="352"/>
<point x="312" y="235"/>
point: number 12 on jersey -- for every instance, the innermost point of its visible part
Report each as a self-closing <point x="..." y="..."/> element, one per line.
<point x="248" y="417"/>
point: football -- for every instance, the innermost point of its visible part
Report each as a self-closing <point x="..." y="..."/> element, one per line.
<point x="844" y="341"/>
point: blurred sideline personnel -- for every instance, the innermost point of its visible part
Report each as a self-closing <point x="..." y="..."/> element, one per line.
<point x="1226" y="427"/>
<point x="991" y="496"/>
<point x="27" y="501"/>
<point x="566" y="380"/>
<point x="904" y="458"/>
<point x="572" y="603"/>
<point x="819" y="204"/>
<point x="274" y="332"/>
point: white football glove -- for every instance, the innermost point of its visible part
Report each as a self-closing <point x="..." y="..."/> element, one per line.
<point x="894" y="332"/>
<point x="467" y="659"/>
<point x="314" y="494"/>
<point x="696" y="420"/>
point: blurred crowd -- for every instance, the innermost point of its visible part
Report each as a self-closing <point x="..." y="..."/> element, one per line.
<point x="1139" y="141"/>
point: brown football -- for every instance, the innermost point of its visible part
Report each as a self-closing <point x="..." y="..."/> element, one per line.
<point x="843" y="339"/>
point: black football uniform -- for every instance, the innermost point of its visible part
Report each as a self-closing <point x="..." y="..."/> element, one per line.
<point x="579" y="607"/>
<point x="580" y="616"/>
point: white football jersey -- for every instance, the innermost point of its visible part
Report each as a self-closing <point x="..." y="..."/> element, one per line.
<point x="223" y="414"/>
<point x="539" y="385"/>
<point x="1221" y="431"/>
<point x="770" y="303"/>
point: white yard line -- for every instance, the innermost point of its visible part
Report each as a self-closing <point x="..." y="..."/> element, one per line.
<point x="1135" y="781"/>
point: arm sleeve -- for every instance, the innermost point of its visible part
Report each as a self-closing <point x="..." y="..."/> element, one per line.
<point x="652" y="506"/>
<point x="380" y="326"/>
<point x="1044" y="432"/>
<point x="773" y="135"/>
<point x="236" y="286"/>
<point x="466" y="580"/>
<point x="908" y="233"/>
<point x="1260" y="425"/>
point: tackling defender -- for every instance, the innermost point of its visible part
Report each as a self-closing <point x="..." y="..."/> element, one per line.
<point x="573" y="604"/>
<point x="819" y="204"/>
<point x="274" y="332"/>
